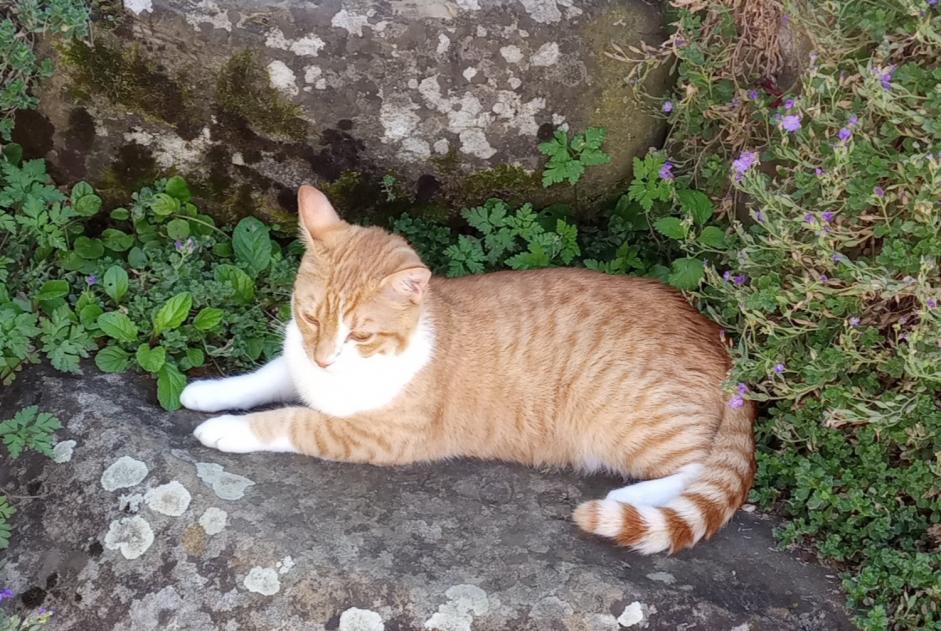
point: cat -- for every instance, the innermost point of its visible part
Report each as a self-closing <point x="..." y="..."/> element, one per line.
<point x="553" y="367"/>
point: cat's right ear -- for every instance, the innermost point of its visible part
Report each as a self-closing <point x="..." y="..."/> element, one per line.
<point x="316" y="213"/>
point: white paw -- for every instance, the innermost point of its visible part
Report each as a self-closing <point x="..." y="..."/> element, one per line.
<point x="228" y="433"/>
<point x="207" y="396"/>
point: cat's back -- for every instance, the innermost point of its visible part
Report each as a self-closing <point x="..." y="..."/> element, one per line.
<point x="568" y="296"/>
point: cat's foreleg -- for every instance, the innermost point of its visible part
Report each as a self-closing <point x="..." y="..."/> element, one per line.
<point x="271" y="383"/>
<point x="367" y="439"/>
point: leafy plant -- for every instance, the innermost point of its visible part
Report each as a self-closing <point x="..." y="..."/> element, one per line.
<point x="29" y="429"/>
<point x="568" y="160"/>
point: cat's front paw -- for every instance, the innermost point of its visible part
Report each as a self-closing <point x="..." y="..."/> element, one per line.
<point x="228" y="433"/>
<point x="206" y="396"/>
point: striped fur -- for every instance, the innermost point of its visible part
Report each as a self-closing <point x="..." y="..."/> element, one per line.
<point x="557" y="367"/>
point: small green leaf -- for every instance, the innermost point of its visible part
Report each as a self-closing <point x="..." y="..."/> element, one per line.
<point x="242" y="283"/>
<point x="686" y="273"/>
<point x="136" y="258"/>
<point x="117" y="240"/>
<point x="89" y="249"/>
<point x="53" y="289"/>
<point x="671" y="227"/>
<point x="88" y="316"/>
<point x="115" y="283"/>
<point x="696" y="204"/>
<point x="170" y="384"/>
<point x="195" y="357"/>
<point x="178" y="229"/>
<point x="112" y="359"/>
<point x="13" y="153"/>
<point x="173" y="313"/>
<point x="252" y="244"/>
<point x="712" y="237"/>
<point x="176" y="186"/>
<point x="87" y="205"/>
<point x="164" y="205"/>
<point x="118" y="326"/>
<point x="151" y="359"/>
<point x="120" y="214"/>
<point x="208" y="319"/>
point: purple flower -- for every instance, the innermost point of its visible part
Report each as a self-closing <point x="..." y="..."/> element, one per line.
<point x="827" y="216"/>
<point x="744" y="162"/>
<point x="809" y="218"/>
<point x="740" y="279"/>
<point x="932" y="303"/>
<point x="932" y="3"/>
<point x="666" y="171"/>
<point x="885" y="78"/>
<point x="838" y="258"/>
<point x="179" y="246"/>
<point x="789" y="104"/>
<point x="824" y="278"/>
<point x="791" y="123"/>
<point x="853" y="120"/>
<point x="737" y="401"/>
<point x="879" y="191"/>
<point x="667" y="107"/>
<point x="679" y="42"/>
<point x="753" y="94"/>
<point x="785" y="20"/>
<point x="759" y="216"/>
<point x="854" y="322"/>
<point x="91" y="279"/>
<point x="741" y="388"/>
<point x="778" y="369"/>
<point x="736" y="103"/>
<point x="727" y="276"/>
<point x="819" y="171"/>
<point x="6" y="594"/>
<point x="844" y="134"/>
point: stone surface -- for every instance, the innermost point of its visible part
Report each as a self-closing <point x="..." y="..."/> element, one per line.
<point x="312" y="545"/>
<point x="249" y="98"/>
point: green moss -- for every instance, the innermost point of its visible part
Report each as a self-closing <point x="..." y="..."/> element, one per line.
<point x="128" y="77"/>
<point x="511" y="183"/>
<point x="243" y="89"/>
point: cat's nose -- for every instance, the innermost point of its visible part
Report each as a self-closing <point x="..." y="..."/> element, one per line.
<point x="323" y="363"/>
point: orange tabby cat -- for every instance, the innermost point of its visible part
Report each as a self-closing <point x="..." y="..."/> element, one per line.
<point x="549" y="367"/>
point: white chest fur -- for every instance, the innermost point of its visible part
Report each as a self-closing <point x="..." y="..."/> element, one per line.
<point x="354" y="383"/>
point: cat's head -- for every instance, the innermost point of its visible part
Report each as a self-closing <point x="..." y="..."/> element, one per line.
<point x="358" y="289"/>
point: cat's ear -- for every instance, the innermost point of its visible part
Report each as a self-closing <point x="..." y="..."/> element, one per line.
<point x="316" y="213"/>
<point x="407" y="285"/>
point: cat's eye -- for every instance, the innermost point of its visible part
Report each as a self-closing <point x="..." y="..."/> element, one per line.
<point x="310" y="319"/>
<point x="357" y="336"/>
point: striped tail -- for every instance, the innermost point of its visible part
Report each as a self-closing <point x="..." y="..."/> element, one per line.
<point x="705" y="504"/>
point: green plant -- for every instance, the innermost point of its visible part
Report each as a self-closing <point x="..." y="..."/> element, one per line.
<point x="161" y="289"/>
<point x="22" y="21"/>
<point x="28" y="429"/>
<point x="568" y="160"/>
<point x="14" y="622"/>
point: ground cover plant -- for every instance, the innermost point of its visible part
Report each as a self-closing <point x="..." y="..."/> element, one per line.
<point x="803" y="217"/>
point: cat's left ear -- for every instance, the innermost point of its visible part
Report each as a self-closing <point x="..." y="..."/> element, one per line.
<point x="407" y="285"/>
<point x="316" y="213"/>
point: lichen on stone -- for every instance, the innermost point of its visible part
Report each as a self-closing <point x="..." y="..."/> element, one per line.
<point x="228" y="486"/>
<point x="213" y="520"/>
<point x="124" y="472"/>
<point x="354" y="619"/>
<point x="131" y="535"/>
<point x="62" y="452"/>
<point x="170" y="499"/>
<point x="262" y="580"/>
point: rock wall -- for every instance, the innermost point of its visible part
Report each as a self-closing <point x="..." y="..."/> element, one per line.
<point x="249" y="98"/>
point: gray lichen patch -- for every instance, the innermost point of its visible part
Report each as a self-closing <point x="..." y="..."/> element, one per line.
<point x="213" y="520"/>
<point x="131" y="535"/>
<point x="262" y="580"/>
<point x="354" y="619"/>
<point x="662" y="577"/>
<point x="124" y="472"/>
<point x="228" y="486"/>
<point x="168" y="499"/>
<point x="130" y="502"/>
<point x="634" y="615"/>
<point x="62" y="452"/>
<point x="465" y="601"/>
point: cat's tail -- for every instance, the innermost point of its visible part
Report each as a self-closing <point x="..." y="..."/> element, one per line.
<point x="692" y="504"/>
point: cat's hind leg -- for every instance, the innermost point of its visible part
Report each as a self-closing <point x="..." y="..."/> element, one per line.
<point x="271" y="383"/>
